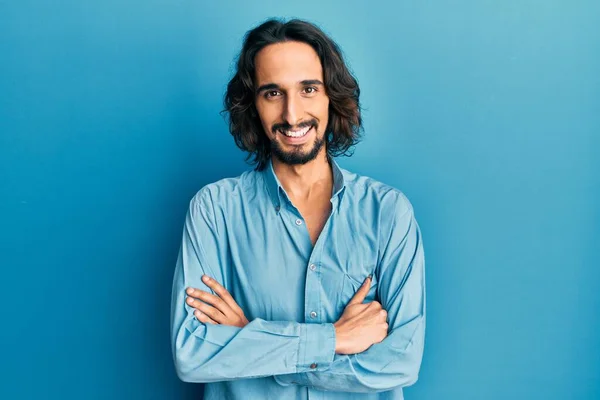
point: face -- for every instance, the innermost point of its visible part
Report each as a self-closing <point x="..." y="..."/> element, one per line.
<point x="291" y="101"/>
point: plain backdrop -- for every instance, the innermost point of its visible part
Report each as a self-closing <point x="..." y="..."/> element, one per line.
<point x="486" y="114"/>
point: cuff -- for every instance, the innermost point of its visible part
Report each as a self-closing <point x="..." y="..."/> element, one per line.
<point x="317" y="347"/>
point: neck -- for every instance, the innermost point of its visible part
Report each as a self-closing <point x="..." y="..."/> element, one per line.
<point x="304" y="181"/>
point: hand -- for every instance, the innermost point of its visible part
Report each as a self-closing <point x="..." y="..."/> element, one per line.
<point x="360" y="325"/>
<point x="222" y="310"/>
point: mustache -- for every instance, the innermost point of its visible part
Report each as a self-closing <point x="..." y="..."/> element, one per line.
<point x="284" y="126"/>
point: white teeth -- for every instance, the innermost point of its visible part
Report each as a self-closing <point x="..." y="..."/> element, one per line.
<point x="296" y="134"/>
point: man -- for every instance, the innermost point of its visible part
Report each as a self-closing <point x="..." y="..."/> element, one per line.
<point x="299" y="279"/>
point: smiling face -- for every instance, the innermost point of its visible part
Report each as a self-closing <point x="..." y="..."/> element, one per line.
<point x="291" y="101"/>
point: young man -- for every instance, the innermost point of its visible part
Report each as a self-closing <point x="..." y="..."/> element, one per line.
<point x="298" y="279"/>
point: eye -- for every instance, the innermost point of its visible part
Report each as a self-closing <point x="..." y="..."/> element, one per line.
<point x="310" y="89"/>
<point x="271" y="93"/>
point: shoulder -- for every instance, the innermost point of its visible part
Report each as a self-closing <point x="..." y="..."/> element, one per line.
<point x="388" y="198"/>
<point x="225" y="190"/>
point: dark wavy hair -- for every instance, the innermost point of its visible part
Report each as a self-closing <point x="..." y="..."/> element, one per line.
<point x="344" y="127"/>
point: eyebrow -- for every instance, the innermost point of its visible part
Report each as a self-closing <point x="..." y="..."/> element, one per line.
<point x="271" y="86"/>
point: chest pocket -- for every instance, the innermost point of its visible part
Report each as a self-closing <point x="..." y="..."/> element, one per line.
<point x="354" y="277"/>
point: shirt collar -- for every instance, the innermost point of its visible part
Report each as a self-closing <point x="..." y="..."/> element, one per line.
<point x="277" y="192"/>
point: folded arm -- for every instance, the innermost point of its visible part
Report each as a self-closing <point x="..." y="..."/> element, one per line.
<point x="397" y="359"/>
<point x="209" y="353"/>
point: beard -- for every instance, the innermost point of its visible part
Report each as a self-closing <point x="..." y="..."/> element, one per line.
<point x="297" y="155"/>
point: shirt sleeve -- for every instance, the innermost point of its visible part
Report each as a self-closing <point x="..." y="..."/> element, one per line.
<point x="394" y="362"/>
<point x="209" y="353"/>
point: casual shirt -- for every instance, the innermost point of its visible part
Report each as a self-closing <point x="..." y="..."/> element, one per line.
<point x="247" y="234"/>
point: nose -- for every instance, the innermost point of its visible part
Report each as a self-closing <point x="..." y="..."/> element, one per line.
<point x="293" y="110"/>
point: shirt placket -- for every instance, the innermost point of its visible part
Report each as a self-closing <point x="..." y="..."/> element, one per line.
<point x="313" y="310"/>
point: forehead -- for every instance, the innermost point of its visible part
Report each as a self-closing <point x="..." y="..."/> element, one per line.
<point x="287" y="63"/>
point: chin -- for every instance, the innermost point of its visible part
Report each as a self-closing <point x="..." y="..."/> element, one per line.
<point x="301" y="155"/>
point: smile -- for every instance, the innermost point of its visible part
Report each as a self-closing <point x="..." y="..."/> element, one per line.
<point x="296" y="134"/>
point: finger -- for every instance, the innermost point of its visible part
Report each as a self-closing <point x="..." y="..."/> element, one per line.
<point x="222" y="293"/>
<point x="204" y="318"/>
<point x="383" y="315"/>
<point x="210" y="311"/>
<point x="211" y="299"/>
<point x="361" y="293"/>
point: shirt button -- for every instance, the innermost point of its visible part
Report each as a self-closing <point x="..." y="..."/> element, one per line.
<point x="298" y="222"/>
<point x="313" y="366"/>
<point x="313" y="314"/>
<point x="312" y="267"/>
<point x="277" y="208"/>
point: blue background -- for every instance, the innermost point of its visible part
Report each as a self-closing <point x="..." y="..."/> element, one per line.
<point x="485" y="114"/>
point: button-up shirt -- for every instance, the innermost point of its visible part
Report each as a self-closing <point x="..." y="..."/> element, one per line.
<point x="247" y="234"/>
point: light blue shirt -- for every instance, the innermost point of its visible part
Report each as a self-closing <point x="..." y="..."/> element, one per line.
<point x="247" y="234"/>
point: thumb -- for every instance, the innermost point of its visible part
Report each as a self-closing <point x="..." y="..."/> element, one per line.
<point x="361" y="293"/>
